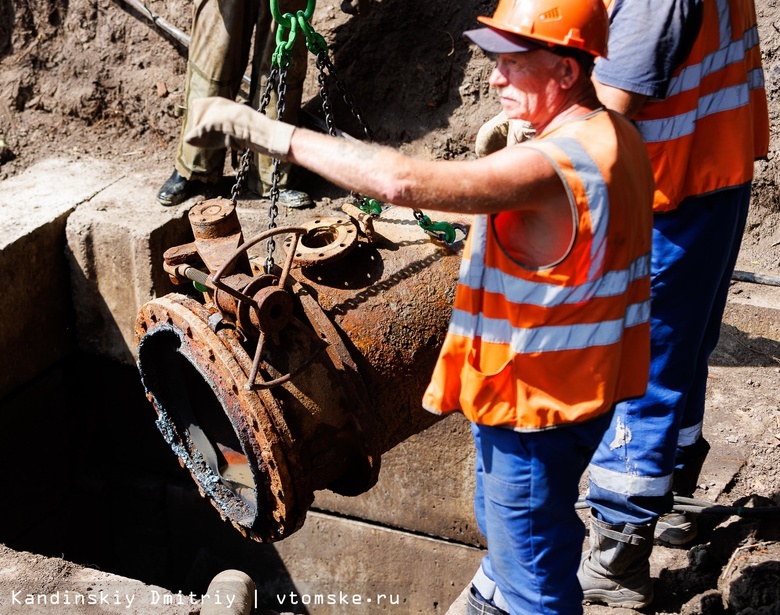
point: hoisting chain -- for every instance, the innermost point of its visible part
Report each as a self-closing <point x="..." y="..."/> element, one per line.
<point x="243" y="166"/>
<point x="441" y="230"/>
<point x="326" y="69"/>
<point x="280" y="62"/>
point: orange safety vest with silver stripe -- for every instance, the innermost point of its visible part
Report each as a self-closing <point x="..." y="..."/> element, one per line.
<point x="714" y="122"/>
<point x="532" y="349"/>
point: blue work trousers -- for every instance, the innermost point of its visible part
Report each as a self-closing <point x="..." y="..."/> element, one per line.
<point x="526" y="489"/>
<point x="656" y="438"/>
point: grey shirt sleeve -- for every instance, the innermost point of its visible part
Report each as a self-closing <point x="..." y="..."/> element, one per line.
<point x="648" y="40"/>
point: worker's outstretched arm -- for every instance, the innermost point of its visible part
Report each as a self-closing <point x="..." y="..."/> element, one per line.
<point x="520" y="179"/>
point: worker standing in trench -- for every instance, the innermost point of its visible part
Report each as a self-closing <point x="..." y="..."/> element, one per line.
<point x="688" y="73"/>
<point x="217" y="58"/>
<point x="550" y="327"/>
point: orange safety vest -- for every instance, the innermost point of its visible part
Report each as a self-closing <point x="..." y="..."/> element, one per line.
<point x="714" y="122"/>
<point x="531" y="349"/>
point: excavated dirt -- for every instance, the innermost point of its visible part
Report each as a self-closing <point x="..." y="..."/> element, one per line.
<point x="93" y="78"/>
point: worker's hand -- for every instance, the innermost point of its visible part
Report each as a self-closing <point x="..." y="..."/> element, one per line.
<point x="500" y="132"/>
<point x="219" y="122"/>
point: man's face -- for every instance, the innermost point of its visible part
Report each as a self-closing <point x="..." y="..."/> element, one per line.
<point x="526" y="85"/>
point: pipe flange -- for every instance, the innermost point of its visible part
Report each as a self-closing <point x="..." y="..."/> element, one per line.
<point x="235" y="443"/>
<point x="326" y="239"/>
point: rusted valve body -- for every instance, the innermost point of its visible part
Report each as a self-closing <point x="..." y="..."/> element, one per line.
<point x="342" y="348"/>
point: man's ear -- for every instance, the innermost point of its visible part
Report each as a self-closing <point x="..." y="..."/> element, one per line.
<point x="570" y="71"/>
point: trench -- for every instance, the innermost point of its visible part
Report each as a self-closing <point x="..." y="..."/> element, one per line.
<point x="95" y="484"/>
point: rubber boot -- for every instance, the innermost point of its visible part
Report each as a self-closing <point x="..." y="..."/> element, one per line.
<point x="616" y="569"/>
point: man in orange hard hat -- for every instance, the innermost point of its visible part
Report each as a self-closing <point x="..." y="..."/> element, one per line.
<point x="549" y="328"/>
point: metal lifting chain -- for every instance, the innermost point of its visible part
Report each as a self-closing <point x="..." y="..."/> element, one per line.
<point x="276" y="172"/>
<point x="325" y="68"/>
<point x="243" y="167"/>
<point x="441" y="230"/>
<point x="280" y="63"/>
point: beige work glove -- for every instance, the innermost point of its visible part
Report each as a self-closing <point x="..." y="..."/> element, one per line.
<point x="500" y="132"/>
<point x="219" y="122"/>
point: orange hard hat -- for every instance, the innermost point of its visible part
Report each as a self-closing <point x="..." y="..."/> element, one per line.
<point x="581" y="24"/>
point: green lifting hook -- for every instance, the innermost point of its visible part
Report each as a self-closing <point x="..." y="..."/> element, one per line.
<point x="442" y="230"/>
<point x="370" y="206"/>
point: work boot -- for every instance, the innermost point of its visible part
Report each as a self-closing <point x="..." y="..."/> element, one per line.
<point x="177" y="189"/>
<point x="616" y="569"/>
<point x="294" y="199"/>
<point x="676" y="529"/>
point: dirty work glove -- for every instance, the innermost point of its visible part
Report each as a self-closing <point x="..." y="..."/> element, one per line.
<point x="219" y="122"/>
<point x="500" y="132"/>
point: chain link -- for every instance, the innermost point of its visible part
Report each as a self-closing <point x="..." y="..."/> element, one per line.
<point x="349" y="99"/>
<point x="323" y="62"/>
<point x="322" y="79"/>
<point x="277" y="74"/>
<point x="243" y="167"/>
<point x="276" y="173"/>
<point x="326" y="68"/>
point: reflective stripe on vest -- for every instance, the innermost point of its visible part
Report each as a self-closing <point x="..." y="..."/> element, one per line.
<point x="531" y="349"/>
<point x="714" y="122"/>
<point x="546" y="338"/>
<point x="536" y="293"/>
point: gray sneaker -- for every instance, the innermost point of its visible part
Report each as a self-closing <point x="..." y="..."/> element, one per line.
<point x="676" y="529"/>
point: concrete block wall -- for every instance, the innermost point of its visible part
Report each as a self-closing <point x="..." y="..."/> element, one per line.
<point x="115" y="243"/>
<point x="387" y="570"/>
<point x="35" y="306"/>
<point x="425" y="485"/>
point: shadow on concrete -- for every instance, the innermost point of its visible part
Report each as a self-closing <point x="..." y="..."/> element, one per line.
<point x="92" y="481"/>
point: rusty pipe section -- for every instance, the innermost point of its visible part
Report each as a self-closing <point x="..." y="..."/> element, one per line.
<point x="271" y="386"/>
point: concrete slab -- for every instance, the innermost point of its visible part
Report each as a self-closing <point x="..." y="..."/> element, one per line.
<point x="330" y="560"/>
<point x="115" y="243"/>
<point x="426" y="485"/>
<point x="459" y="606"/>
<point x="35" y="302"/>
<point x="377" y="569"/>
<point x="754" y="309"/>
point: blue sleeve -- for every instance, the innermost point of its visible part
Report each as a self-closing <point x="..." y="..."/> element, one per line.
<point x="648" y="40"/>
